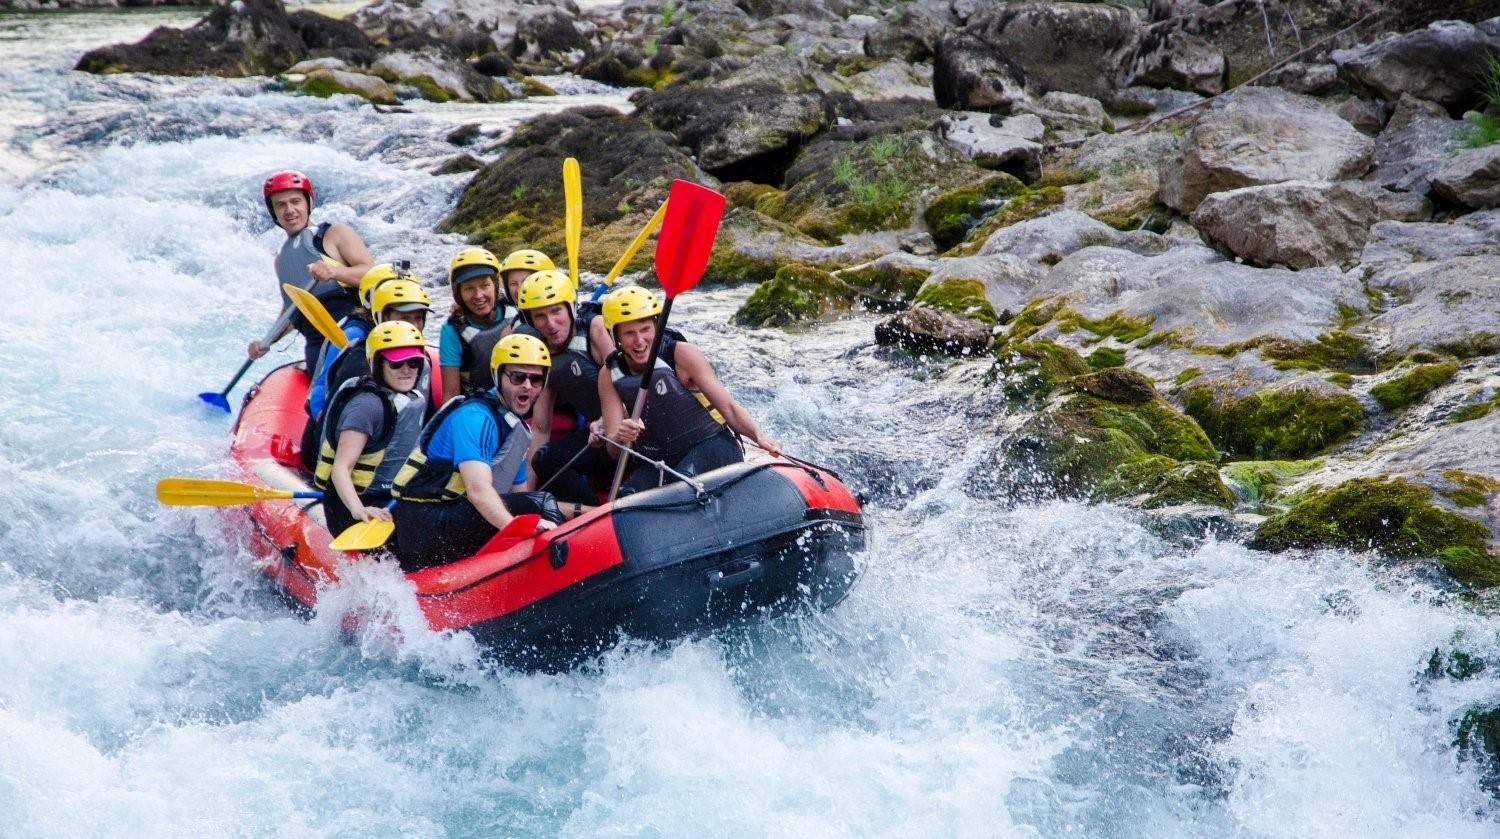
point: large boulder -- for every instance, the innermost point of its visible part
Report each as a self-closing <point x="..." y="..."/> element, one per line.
<point x="329" y="81"/>
<point x="910" y="37"/>
<point x="1170" y="57"/>
<point x="923" y="329"/>
<point x="1449" y="306"/>
<point x="326" y="36"/>
<point x="1251" y="35"/>
<point x="1010" y="145"/>
<point x="439" y="76"/>
<point x="1257" y="136"/>
<point x="1075" y="47"/>
<point x="1414" y="144"/>
<point x="1444" y="63"/>
<point x="1471" y="178"/>
<point x="892" y="80"/>
<point x="243" y="38"/>
<point x="1298" y="224"/>
<point x="393" y="21"/>
<point x="969" y="74"/>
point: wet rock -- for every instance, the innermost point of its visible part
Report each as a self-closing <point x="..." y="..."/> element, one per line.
<point x="459" y="165"/>
<point x="1414" y="145"/>
<point x="1117" y="385"/>
<point x="1046" y="240"/>
<point x="922" y="329"/>
<point x="1394" y="516"/>
<point x="892" y="80"/>
<point x="751" y="246"/>
<point x="334" y="82"/>
<point x="324" y="35"/>
<point x="1298" y="224"/>
<point x="1173" y="58"/>
<point x="464" y="134"/>
<point x="1006" y="282"/>
<point x="912" y="37"/>
<point x="243" y="38"/>
<point x="1154" y="482"/>
<point x="967" y="74"/>
<point x="1443" y="63"/>
<point x="392" y="21"/>
<point x="951" y="216"/>
<point x="1076" y="47"/>
<point x="1450" y="306"/>
<point x="963" y="296"/>
<point x="1281" y="422"/>
<point x="302" y="68"/>
<point x="890" y="282"/>
<point x="1368" y="116"/>
<point x="551" y="37"/>
<point x="1472" y="178"/>
<point x="1009" y="144"/>
<point x="797" y="293"/>
<point x="438" y="76"/>
<point x="1258" y="136"/>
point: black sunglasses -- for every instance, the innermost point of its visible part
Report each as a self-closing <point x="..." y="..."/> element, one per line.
<point x="517" y="377"/>
<point x="408" y="364"/>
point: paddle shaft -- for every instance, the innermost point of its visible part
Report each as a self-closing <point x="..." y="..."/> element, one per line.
<point x="640" y="397"/>
<point x="280" y="324"/>
<point x="630" y="252"/>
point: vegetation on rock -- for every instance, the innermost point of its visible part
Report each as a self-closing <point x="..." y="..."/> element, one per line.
<point x="1278" y="423"/>
<point x="1412" y="387"/>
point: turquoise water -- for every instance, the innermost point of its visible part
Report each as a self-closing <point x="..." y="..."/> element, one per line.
<point x="999" y="670"/>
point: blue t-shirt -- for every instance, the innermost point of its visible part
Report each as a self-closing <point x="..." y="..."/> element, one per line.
<point x="469" y="433"/>
<point x="450" y="347"/>
<point x="317" y="393"/>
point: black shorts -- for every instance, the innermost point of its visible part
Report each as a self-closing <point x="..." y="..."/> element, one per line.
<point x="437" y="533"/>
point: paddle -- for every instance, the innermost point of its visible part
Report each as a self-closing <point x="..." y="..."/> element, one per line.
<point x="519" y="529"/>
<point x="366" y="535"/>
<point x="640" y="239"/>
<point x="201" y="492"/>
<point x="573" y="214"/>
<point x="682" y="249"/>
<point x="220" y="400"/>
<point x="312" y="309"/>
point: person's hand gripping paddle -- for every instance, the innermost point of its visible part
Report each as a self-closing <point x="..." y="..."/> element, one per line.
<point x="682" y="249"/>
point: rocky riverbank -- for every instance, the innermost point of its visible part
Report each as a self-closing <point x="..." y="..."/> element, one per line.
<point x="1277" y="311"/>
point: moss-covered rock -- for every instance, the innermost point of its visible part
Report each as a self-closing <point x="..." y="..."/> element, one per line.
<point x="1414" y="385"/>
<point x="1394" y="516"/>
<point x="885" y="284"/>
<point x="1022" y="206"/>
<point x="1279" y="423"/>
<point x="1117" y="384"/>
<point x="1156" y="481"/>
<point x="328" y="82"/>
<point x="1477" y="735"/>
<point x="1258" y="481"/>
<point x="924" y="330"/>
<point x="1118" y="325"/>
<point x="1106" y="357"/>
<point x="797" y="293"/>
<point x="961" y="297"/>
<point x="1030" y="370"/>
<point x="952" y="215"/>
<point x="1467" y="489"/>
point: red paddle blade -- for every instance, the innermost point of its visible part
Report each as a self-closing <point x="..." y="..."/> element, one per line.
<point x="687" y="235"/>
<point x="520" y="526"/>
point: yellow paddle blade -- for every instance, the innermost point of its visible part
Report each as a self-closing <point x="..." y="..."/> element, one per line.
<point x="365" y="536"/>
<point x="573" y="217"/>
<point x="312" y="309"/>
<point x="198" y="492"/>
<point x="640" y="239"/>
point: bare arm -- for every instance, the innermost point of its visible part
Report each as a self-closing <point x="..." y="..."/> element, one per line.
<point x="351" y="446"/>
<point x="541" y="427"/>
<point x="696" y="373"/>
<point x="616" y="426"/>
<point x="481" y="492"/>
<point x="601" y="343"/>
<point x="345" y="246"/>
<point x="452" y="386"/>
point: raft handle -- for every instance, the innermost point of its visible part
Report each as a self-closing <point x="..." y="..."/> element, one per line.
<point x="558" y="554"/>
<point x="745" y="571"/>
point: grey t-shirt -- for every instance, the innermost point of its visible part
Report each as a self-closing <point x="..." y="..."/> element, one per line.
<point x="364" y="413"/>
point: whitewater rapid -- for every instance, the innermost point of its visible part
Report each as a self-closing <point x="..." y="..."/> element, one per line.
<point x="999" y="670"/>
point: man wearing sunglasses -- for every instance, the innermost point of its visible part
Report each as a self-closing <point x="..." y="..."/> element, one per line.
<point x="467" y="477"/>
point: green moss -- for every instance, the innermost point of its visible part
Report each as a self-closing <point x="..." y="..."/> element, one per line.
<point x="797" y="293"/>
<point x="1031" y="370"/>
<point x="961" y="297"/>
<point x="1343" y="380"/>
<point x="1335" y="350"/>
<point x="429" y="88"/>
<point x="1412" y="387"/>
<point x="1105" y="357"/>
<point x="1155" y="426"/>
<point x="1484" y="343"/>
<point x="1166" y="482"/>
<point x="1024" y="205"/>
<point x="1143" y="213"/>
<point x="952" y="215"/>
<point x="1037" y="314"/>
<point x="1117" y="325"/>
<point x="885" y="286"/>
<point x="1475" y="411"/>
<point x="1276" y="423"/>
<point x="1258" y="481"/>
<point x="1062" y="177"/>
<point x="532" y="87"/>
<point x="1187" y="375"/>
<point x="1469" y="490"/>
<point x="655" y="78"/>
<point x="1394" y="516"/>
<point x="728" y="266"/>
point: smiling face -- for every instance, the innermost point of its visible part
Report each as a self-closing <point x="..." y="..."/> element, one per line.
<point x="555" y="322"/>
<point x="289" y="206"/>
<point x="478" y="296"/>
<point x="400" y="376"/>
<point x="513" y="280"/>
<point x="634" y="339"/>
<point x="519" y="385"/>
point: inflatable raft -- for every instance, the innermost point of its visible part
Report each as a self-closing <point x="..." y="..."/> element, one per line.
<point x="662" y="564"/>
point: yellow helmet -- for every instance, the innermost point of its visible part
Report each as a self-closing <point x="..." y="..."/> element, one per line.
<point x="393" y="335"/>
<point x="377" y="275"/>
<point x="471" y="264"/>
<point x="546" y="288"/>
<point x="398" y="293"/>
<point x="628" y="304"/>
<point x="517" y="348"/>
<point x="528" y="260"/>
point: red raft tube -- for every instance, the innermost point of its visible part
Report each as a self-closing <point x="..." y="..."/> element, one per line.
<point x="657" y="565"/>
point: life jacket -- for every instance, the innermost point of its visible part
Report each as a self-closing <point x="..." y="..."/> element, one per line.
<point x="291" y="267"/>
<point x="377" y="465"/>
<point x="425" y="479"/>
<point x="676" y="418"/>
<point x="349" y="364"/>
<point x="574" y="376"/>
<point x="326" y="384"/>
<point x="476" y="343"/>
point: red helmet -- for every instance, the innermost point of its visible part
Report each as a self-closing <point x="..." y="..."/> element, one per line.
<point x="287" y="179"/>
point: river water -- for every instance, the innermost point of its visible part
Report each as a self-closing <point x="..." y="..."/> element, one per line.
<point x="1000" y="669"/>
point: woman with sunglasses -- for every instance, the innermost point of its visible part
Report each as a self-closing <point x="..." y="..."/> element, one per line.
<point x="467" y="477"/>
<point x="690" y="420"/>
<point x="371" y="425"/>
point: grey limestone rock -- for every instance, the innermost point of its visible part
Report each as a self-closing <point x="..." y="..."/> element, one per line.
<point x="1298" y="224"/>
<point x="1443" y="62"/>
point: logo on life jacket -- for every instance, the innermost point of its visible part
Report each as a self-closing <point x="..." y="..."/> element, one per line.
<point x="577" y="370"/>
<point x="661" y="387"/>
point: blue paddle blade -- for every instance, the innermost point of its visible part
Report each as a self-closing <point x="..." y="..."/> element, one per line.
<point x="217" y="400"/>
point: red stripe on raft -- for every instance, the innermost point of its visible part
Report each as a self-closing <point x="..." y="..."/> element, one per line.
<point x="833" y="496"/>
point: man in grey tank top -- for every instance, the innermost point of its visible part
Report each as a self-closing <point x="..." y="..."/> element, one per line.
<point x="327" y="259"/>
